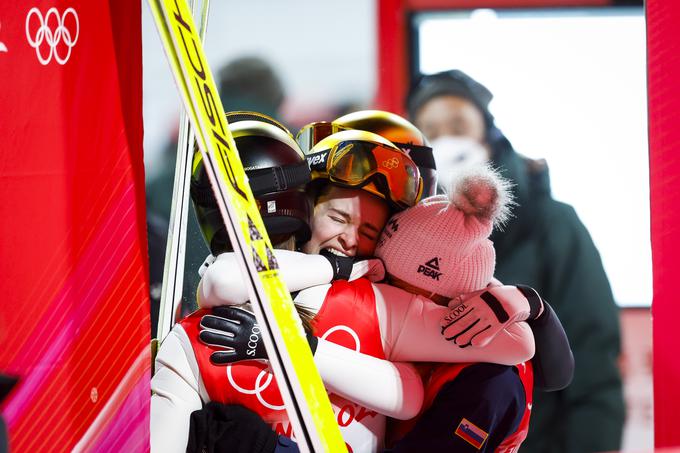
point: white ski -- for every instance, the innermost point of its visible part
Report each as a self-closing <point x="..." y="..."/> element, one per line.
<point x="173" y="270"/>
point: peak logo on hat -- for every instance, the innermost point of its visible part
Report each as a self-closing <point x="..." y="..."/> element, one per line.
<point x="442" y="244"/>
<point x="430" y="269"/>
<point x="433" y="263"/>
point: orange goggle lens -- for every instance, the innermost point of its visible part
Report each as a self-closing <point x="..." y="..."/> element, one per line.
<point x="313" y="133"/>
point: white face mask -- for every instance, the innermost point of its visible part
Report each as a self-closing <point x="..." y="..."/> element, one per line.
<point x="453" y="154"/>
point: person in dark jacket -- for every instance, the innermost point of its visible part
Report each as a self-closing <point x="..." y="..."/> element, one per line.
<point x="546" y="247"/>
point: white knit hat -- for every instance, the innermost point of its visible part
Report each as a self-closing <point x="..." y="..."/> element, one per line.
<point x="442" y="244"/>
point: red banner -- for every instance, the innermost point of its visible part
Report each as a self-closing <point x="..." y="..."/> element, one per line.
<point x="663" y="51"/>
<point x="74" y="318"/>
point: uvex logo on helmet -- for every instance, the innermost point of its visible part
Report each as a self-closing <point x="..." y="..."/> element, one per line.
<point x="316" y="159"/>
<point x="430" y="269"/>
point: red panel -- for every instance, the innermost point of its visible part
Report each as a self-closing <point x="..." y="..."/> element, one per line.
<point x="74" y="321"/>
<point x="663" y="50"/>
<point x="392" y="56"/>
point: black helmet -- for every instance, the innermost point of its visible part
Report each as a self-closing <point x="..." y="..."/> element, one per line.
<point x="391" y="126"/>
<point x="277" y="171"/>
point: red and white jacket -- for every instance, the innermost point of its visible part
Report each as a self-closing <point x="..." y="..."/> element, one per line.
<point x="386" y="324"/>
<point x="347" y="318"/>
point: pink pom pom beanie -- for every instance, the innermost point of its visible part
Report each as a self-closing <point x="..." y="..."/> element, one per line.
<point x="441" y="245"/>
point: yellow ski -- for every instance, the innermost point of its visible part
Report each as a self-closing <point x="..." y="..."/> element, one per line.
<point x="307" y="403"/>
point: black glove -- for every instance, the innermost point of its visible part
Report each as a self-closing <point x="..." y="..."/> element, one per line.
<point x="236" y="329"/>
<point x="536" y="303"/>
<point x="342" y="265"/>
<point x="219" y="427"/>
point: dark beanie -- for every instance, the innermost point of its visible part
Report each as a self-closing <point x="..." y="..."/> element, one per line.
<point x="454" y="83"/>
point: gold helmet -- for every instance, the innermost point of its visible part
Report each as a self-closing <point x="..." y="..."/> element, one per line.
<point x="393" y="127"/>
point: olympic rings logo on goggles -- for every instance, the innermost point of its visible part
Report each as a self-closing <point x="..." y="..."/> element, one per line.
<point x="357" y="164"/>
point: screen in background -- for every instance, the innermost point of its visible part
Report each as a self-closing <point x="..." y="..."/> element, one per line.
<point x="569" y="86"/>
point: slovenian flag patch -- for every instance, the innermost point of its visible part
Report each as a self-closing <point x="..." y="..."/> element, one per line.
<point x="471" y="433"/>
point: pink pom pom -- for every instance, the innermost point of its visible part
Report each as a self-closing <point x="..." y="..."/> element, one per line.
<point x="481" y="192"/>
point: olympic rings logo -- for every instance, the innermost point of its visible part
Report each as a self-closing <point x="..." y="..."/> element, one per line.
<point x="260" y="387"/>
<point x="340" y="328"/>
<point x="265" y="376"/>
<point x="391" y="163"/>
<point x="52" y="34"/>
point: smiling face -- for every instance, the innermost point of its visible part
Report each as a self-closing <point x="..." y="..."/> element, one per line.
<point x="347" y="222"/>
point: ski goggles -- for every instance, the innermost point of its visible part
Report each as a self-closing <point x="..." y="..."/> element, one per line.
<point x="313" y="133"/>
<point x="375" y="167"/>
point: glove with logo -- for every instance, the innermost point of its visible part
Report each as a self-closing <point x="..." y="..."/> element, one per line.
<point x="236" y="333"/>
<point x="476" y="318"/>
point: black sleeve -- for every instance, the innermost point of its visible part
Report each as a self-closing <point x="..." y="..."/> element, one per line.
<point x="553" y="362"/>
<point x="484" y="403"/>
<point x="233" y="428"/>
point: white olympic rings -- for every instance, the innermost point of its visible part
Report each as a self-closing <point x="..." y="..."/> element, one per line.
<point x="268" y="377"/>
<point x="52" y="37"/>
<point x="259" y="387"/>
<point x="341" y="328"/>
